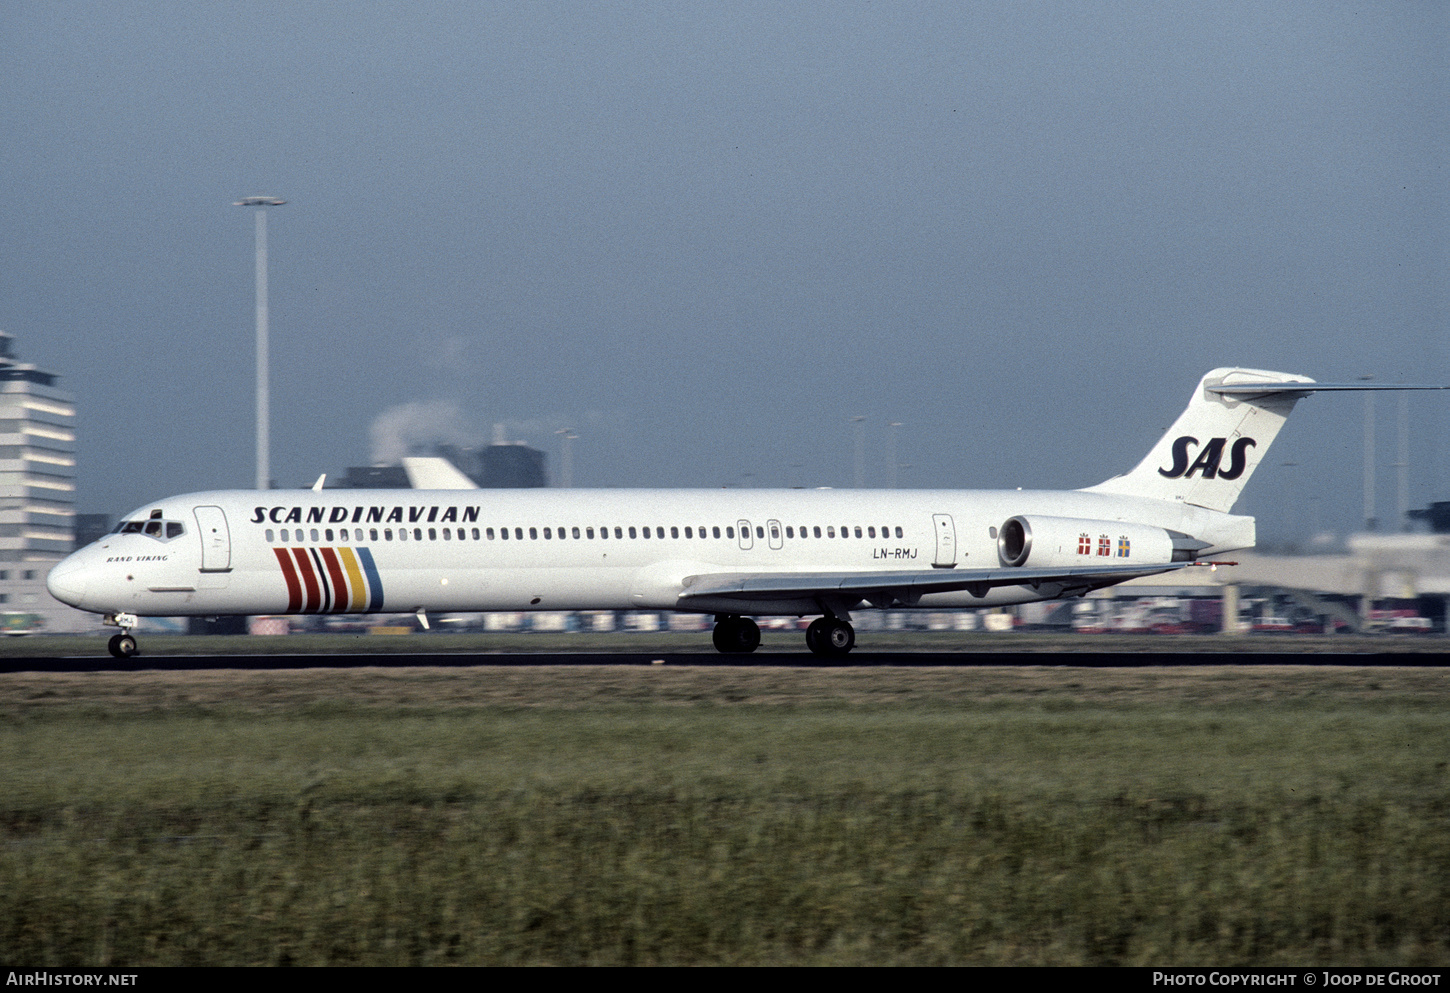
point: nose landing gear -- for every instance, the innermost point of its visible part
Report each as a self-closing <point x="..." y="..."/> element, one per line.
<point x="123" y="645"/>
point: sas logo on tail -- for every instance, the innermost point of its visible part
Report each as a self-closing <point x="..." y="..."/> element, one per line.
<point x="1209" y="459"/>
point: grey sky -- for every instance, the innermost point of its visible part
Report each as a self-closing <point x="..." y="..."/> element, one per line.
<point x="705" y="235"/>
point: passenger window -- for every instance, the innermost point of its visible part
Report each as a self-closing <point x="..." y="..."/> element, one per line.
<point x="759" y="531"/>
<point x="548" y="533"/>
<point x="445" y="533"/>
<point x="372" y="534"/>
<point x="789" y="531"/>
<point x="590" y="533"/>
<point x="576" y="532"/>
<point x="402" y="534"/>
<point x="533" y="534"/>
<point x="645" y="531"/>
<point x="871" y="531"/>
<point x="689" y="533"/>
<point x="619" y="532"/>
<point x="631" y="532"/>
<point x="898" y="531"/>
<point x="715" y="531"/>
<point x="270" y="535"/>
<point x="818" y="532"/>
<point x="729" y="532"/>
<point x="388" y="533"/>
<point x="674" y="532"/>
<point x="830" y="531"/>
<point x="858" y="530"/>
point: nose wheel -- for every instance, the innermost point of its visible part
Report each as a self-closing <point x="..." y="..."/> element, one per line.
<point x="122" y="646"/>
<point x="830" y="637"/>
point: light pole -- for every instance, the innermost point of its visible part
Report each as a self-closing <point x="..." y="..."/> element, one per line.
<point x="264" y="467"/>
<point x="1370" y="522"/>
<point x="860" y="423"/>
<point x="1402" y="517"/>
<point x="891" y="466"/>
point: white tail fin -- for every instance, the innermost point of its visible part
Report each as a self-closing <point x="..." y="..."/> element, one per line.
<point x="1213" y="448"/>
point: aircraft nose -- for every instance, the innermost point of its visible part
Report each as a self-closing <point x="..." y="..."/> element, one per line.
<point x="67" y="581"/>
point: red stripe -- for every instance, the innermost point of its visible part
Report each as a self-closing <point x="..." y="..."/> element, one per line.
<point x="309" y="579"/>
<point x="294" y="589"/>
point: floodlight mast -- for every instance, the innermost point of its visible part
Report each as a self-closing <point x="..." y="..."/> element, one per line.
<point x="264" y="467"/>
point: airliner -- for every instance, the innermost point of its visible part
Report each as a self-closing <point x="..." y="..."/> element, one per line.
<point x="735" y="553"/>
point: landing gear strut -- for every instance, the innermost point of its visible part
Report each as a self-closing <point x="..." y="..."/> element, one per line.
<point x="830" y="637"/>
<point x="735" y="635"/>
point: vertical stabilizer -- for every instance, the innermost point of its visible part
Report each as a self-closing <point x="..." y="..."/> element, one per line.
<point x="1213" y="448"/>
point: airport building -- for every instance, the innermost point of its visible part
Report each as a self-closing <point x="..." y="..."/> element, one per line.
<point x="37" y="491"/>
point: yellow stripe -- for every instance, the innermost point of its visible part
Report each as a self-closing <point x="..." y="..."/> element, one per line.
<point x="355" y="582"/>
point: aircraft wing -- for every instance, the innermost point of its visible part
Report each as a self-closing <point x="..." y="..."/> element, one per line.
<point x="905" y="588"/>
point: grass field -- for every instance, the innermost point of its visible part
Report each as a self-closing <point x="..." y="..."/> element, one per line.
<point x="633" y="815"/>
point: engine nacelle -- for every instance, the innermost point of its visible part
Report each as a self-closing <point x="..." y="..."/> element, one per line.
<point x="1058" y="542"/>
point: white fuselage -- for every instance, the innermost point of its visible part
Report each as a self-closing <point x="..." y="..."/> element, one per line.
<point x="358" y="551"/>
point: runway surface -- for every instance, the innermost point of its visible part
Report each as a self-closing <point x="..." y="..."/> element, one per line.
<point x="1125" y="660"/>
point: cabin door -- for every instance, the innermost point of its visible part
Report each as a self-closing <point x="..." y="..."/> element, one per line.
<point x="946" y="541"/>
<point x="773" y="532"/>
<point x="216" y="540"/>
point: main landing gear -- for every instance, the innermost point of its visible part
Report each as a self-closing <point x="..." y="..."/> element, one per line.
<point x="122" y="645"/>
<point x="829" y="637"/>
<point x="735" y="635"/>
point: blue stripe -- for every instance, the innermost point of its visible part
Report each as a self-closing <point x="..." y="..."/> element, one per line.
<point x="375" y="582"/>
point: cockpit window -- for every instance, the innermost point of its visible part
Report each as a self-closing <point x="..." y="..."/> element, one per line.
<point x="156" y="528"/>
